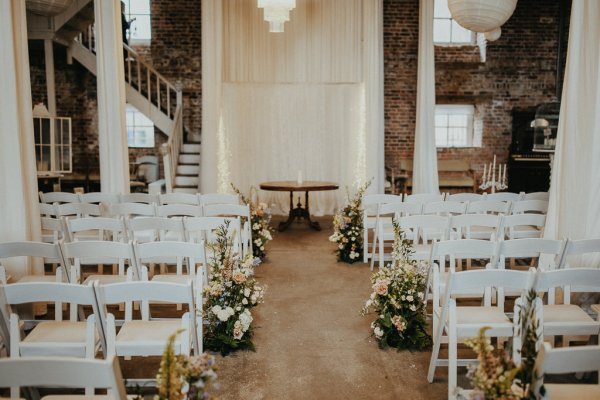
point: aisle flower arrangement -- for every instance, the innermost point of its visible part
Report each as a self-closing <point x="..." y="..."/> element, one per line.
<point x="398" y="300"/>
<point x="348" y="228"/>
<point x="230" y="295"/>
<point x="185" y="377"/>
<point x="260" y="218"/>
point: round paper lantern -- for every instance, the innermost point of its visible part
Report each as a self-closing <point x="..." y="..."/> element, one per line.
<point x="481" y="15"/>
<point x="493" y="35"/>
<point x="48" y="8"/>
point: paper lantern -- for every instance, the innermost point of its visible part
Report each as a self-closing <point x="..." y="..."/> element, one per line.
<point x="48" y="8"/>
<point x="481" y="15"/>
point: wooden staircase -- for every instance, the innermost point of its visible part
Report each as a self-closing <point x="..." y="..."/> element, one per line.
<point x="188" y="169"/>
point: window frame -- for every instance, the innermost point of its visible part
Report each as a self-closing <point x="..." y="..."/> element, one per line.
<point x="53" y="134"/>
<point x="456" y="109"/>
<point x="128" y="15"/>
<point x="131" y="142"/>
<point x="450" y="42"/>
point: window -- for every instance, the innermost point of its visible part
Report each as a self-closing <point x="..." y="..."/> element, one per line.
<point x="52" y="137"/>
<point x="446" y="30"/>
<point x="139" y="12"/>
<point x="140" y="129"/>
<point x="454" y="125"/>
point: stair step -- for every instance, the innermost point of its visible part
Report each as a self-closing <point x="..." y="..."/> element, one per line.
<point x="186" y="181"/>
<point x="190" y="148"/>
<point x="189" y="159"/>
<point x="188" y="170"/>
<point x="185" y="190"/>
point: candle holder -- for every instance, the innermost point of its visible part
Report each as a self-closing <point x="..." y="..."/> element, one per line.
<point x="496" y="186"/>
<point x="488" y="180"/>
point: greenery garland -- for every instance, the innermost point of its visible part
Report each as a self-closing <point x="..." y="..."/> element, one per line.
<point x="348" y="228"/>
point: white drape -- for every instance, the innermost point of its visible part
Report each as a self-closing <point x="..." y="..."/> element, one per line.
<point x="425" y="173"/>
<point x="309" y="99"/>
<point x="19" y="210"/>
<point x="574" y="209"/>
<point x="112" y="133"/>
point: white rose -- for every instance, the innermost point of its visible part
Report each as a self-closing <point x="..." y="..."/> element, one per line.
<point x="215" y="310"/>
<point x="223" y="315"/>
<point x="409" y="298"/>
<point x="244" y="301"/>
<point x="378" y="332"/>
<point x="246" y="292"/>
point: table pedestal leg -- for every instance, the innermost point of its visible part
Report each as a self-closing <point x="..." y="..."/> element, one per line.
<point x="298" y="213"/>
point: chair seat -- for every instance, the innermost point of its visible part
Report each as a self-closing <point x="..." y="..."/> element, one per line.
<point x="568" y="319"/>
<point x="146" y="337"/>
<point x="572" y="391"/>
<point x="105" y="279"/>
<point x="37" y="278"/>
<point x="471" y="319"/>
<point x="481" y="232"/>
<point x="526" y="231"/>
<point x="56" y="338"/>
<point x="172" y="278"/>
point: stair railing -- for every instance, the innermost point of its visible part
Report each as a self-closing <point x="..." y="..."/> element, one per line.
<point x="170" y="150"/>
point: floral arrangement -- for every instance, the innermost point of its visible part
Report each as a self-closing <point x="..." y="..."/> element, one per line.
<point x="260" y="217"/>
<point x="185" y="377"/>
<point x="496" y="376"/>
<point x="230" y="295"/>
<point x="348" y="228"/>
<point x="398" y="300"/>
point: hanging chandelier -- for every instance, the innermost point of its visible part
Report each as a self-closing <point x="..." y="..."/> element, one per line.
<point x="276" y="12"/>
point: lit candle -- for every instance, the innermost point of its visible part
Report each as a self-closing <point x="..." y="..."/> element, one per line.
<point x="299" y="177"/>
<point x="504" y="175"/>
<point x="484" y="171"/>
<point x="499" y="173"/>
<point x="489" y="177"/>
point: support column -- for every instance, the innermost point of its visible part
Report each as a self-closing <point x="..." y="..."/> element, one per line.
<point x="19" y="208"/>
<point x="50" y="86"/>
<point x="112" y="134"/>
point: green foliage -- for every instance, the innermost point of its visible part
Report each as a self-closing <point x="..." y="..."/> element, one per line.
<point x="260" y="218"/>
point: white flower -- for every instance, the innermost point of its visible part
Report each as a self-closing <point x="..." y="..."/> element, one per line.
<point x="245" y="319"/>
<point x="244" y="301"/>
<point x="378" y="332"/>
<point x="223" y="315"/>
<point x="413" y="308"/>
<point x="215" y="310"/>
<point x="247" y="292"/>
<point x="409" y="298"/>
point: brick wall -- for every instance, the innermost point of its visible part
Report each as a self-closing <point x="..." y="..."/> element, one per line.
<point x="520" y="73"/>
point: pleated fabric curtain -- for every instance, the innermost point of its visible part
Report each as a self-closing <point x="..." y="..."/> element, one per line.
<point x="425" y="173"/>
<point x="309" y="99"/>
<point x="574" y="208"/>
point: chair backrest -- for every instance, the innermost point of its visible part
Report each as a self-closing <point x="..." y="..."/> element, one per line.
<point x="179" y="198"/>
<point x="106" y="228"/>
<point x="227" y="210"/>
<point x="423" y="197"/>
<point x="199" y="229"/>
<point x="464" y="248"/>
<point x="371" y="201"/>
<point x="400" y="209"/>
<point x="536" y="196"/>
<point x="219" y="198"/>
<point x="529" y="248"/>
<point x="510" y="222"/>
<point x="48" y="210"/>
<point x="462" y="225"/>
<point x="463" y="197"/>
<point x="571" y="280"/>
<point x="78" y="210"/>
<point x="132" y="209"/>
<point x="565" y="360"/>
<point x="179" y="210"/>
<point x="144" y="198"/>
<point x="160" y="227"/>
<point x="94" y="252"/>
<point x="503" y="196"/>
<point x="422" y="224"/>
<point x="445" y="207"/>
<point x="575" y="249"/>
<point x="488" y="207"/>
<point x="59" y="197"/>
<point x="173" y="252"/>
<point x="63" y="372"/>
<point x="53" y="229"/>
<point x="529" y="206"/>
<point x="48" y="252"/>
<point x="100" y="197"/>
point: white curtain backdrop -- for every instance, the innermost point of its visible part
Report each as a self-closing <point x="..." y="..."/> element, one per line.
<point x="425" y="173"/>
<point x="19" y="209"/>
<point x="574" y="209"/>
<point x="309" y="99"/>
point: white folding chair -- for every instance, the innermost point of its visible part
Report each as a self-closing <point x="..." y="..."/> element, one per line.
<point x="565" y="361"/>
<point x="144" y="198"/>
<point x="48" y="210"/>
<point x="475" y="226"/>
<point x="152" y="229"/>
<point x="384" y="230"/>
<point x="147" y="336"/>
<point x="529" y="206"/>
<point x="48" y="253"/>
<point x="426" y="229"/>
<point x="179" y="210"/>
<point x="520" y="226"/>
<point x="576" y="252"/>
<point x="178" y="198"/>
<point x="132" y="210"/>
<point x="98" y="228"/>
<point x="370" y="207"/>
<point x="423" y="197"/>
<point x="59" y="197"/>
<point x="219" y="198"/>
<point x="503" y="196"/>
<point x="459" y="322"/>
<point x="529" y="248"/>
<point x="488" y="207"/>
<point x="75" y="337"/>
<point x="100" y="197"/>
<point x="53" y="230"/>
<point x="234" y="210"/>
<point x="464" y="197"/>
<point x="63" y="372"/>
<point x="536" y="196"/>
<point x="96" y="252"/>
<point x="445" y="208"/>
<point x="567" y="319"/>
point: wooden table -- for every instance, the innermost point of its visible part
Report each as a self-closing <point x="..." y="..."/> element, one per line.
<point x="298" y="213"/>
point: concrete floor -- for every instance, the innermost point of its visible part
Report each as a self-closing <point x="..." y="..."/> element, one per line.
<point x="311" y="342"/>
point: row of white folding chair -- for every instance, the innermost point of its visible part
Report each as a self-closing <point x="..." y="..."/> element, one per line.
<point x="64" y="373"/>
<point x="83" y="338"/>
<point x="462" y="322"/>
<point x="161" y="199"/>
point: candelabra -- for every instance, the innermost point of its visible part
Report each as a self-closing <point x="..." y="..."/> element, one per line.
<point x="488" y="180"/>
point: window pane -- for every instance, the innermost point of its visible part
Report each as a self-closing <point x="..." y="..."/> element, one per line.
<point x="460" y="34"/>
<point x="441" y="137"/>
<point x="441" y="30"/>
<point x="139" y="7"/>
<point x="441" y="9"/>
<point x="140" y="28"/>
<point x="45" y="131"/>
<point x="457" y="120"/>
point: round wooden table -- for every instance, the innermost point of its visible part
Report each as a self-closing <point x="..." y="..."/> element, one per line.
<point x="299" y="212"/>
